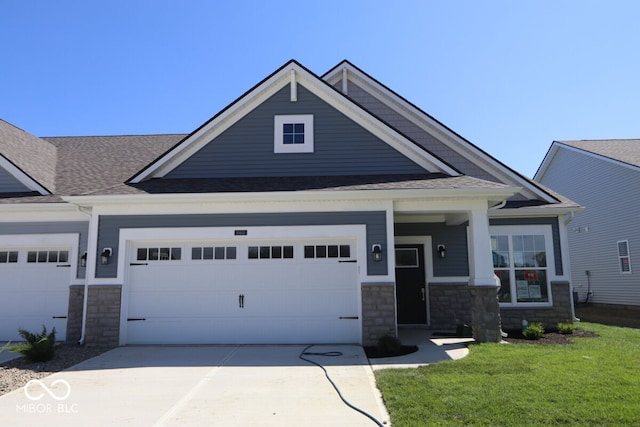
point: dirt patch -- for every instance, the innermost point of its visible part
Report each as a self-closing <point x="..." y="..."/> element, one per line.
<point x="516" y="337"/>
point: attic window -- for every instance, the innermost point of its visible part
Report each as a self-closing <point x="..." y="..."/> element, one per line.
<point x="293" y="134"/>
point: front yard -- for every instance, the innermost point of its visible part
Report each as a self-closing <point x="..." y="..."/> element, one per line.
<point x="593" y="382"/>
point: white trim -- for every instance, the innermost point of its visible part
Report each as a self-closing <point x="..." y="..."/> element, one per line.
<point x="22" y="177"/>
<point x="294" y="87"/>
<point x="278" y="133"/>
<point x="266" y="89"/>
<point x="431" y="126"/>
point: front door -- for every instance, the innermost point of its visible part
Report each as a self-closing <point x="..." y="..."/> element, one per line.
<point x="410" y="284"/>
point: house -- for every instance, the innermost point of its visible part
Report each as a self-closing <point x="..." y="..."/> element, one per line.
<point x="312" y="209"/>
<point x="604" y="241"/>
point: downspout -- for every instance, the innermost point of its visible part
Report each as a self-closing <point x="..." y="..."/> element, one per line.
<point x="567" y="219"/>
<point x="85" y="296"/>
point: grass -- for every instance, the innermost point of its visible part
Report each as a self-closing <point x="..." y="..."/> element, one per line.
<point x="593" y="382"/>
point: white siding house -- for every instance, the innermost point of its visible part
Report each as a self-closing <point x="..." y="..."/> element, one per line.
<point x="604" y="240"/>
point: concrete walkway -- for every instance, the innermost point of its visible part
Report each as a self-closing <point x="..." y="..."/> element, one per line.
<point x="202" y="385"/>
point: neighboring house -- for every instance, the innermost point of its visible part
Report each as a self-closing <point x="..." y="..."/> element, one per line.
<point x="313" y="209"/>
<point x="603" y="176"/>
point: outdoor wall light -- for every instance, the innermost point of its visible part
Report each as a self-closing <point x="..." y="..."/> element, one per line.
<point x="442" y="251"/>
<point x="83" y="260"/>
<point x="105" y="255"/>
<point x="376" y="250"/>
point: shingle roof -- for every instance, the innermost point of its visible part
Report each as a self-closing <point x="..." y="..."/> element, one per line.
<point x="622" y="150"/>
<point x="34" y="156"/>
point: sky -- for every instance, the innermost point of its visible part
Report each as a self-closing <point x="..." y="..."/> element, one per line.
<point x="509" y="76"/>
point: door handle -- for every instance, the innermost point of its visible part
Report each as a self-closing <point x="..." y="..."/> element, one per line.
<point x="241" y="300"/>
<point x="422" y="290"/>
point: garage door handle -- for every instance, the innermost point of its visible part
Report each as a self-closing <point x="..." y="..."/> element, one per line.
<point x="348" y="260"/>
<point x="58" y="317"/>
<point x="135" y="319"/>
<point x="139" y="263"/>
<point x="241" y="300"/>
<point x="63" y="265"/>
<point x="348" y="317"/>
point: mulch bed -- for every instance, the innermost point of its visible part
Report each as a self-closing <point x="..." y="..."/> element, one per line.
<point x="516" y="337"/>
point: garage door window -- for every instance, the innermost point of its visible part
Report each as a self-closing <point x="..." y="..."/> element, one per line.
<point x="159" y="254"/>
<point x="270" y="252"/>
<point x="8" y="257"/>
<point x="327" y="251"/>
<point x="213" y="253"/>
<point x="47" y="256"/>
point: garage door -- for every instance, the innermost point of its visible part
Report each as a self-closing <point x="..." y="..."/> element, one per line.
<point x="249" y="293"/>
<point x="34" y="286"/>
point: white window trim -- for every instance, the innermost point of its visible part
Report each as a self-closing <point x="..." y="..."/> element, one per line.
<point x="280" y="147"/>
<point x="627" y="256"/>
<point x="544" y="230"/>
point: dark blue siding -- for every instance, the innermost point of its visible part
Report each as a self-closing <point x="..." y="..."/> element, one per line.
<point x="9" y="184"/>
<point x="453" y="237"/>
<point x="110" y="225"/>
<point x="341" y="146"/>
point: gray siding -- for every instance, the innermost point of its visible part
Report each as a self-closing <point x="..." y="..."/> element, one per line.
<point x="454" y="238"/>
<point x="82" y="228"/>
<point x="341" y="146"/>
<point x="610" y="195"/>
<point x="408" y="128"/>
<point x="555" y="234"/>
<point x="9" y="184"/>
<point x="110" y="225"/>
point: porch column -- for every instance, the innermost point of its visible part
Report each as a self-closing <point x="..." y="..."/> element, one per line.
<point x="483" y="286"/>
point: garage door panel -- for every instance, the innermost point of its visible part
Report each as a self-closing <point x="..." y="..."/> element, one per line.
<point x="242" y="300"/>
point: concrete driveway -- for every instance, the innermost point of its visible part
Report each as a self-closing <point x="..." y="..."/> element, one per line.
<point x="202" y="385"/>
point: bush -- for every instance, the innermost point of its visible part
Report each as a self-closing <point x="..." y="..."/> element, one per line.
<point x="534" y="331"/>
<point x="388" y="344"/>
<point x="38" y="347"/>
<point x="566" y="328"/>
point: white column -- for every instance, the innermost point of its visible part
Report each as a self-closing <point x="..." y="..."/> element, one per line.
<point x="480" y="259"/>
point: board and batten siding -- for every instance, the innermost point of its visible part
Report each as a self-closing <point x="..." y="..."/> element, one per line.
<point x="110" y="225"/>
<point x="27" y="228"/>
<point x="341" y="147"/>
<point x="9" y="184"/>
<point x="609" y="193"/>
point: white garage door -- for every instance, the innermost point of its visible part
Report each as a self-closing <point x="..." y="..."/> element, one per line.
<point x="34" y="289"/>
<point x="249" y="293"/>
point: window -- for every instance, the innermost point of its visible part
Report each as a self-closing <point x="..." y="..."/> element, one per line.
<point x="213" y="253"/>
<point x="407" y="258"/>
<point x="623" y="256"/>
<point x="293" y="134"/>
<point x="8" y="257"/>
<point x="327" y="251"/>
<point x="521" y="263"/>
<point x="159" y="254"/>
<point x="47" y="256"/>
<point x="270" y="252"/>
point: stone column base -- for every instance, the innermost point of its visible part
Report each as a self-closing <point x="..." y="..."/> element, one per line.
<point x="485" y="313"/>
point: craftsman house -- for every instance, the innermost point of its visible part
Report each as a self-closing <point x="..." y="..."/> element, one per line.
<point x="312" y="209"/>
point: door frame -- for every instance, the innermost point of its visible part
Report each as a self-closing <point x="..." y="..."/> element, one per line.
<point x="428" y="261"/>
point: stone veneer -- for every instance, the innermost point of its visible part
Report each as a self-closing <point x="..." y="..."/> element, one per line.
<point x="103" y="315"/>
<point x="549" y="316"/>
<point x="485" y="314"/>
<point x="74" y="314"/>
<point x="378" y="312"/>
<point x="449" y="305"/>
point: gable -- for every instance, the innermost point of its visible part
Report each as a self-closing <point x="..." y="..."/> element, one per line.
<point x="10" y="184"/>
<point x="341" y="146"/>
<point x="292" y="76"/>
<point x="432" y="135"/>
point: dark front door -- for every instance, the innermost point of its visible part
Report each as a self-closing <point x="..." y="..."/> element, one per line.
<point x="410" y="284"/>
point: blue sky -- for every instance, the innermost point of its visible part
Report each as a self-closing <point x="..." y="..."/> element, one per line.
<point x="510" y="76"/>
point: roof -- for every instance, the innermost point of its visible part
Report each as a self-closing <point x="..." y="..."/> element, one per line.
<point x="623" y="150"/>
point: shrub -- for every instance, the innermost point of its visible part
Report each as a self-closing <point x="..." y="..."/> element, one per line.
<point x="388" y="344"/>
<point x="38" y="347"/>
<point x="566" y="328"/>
<point x="534" y="331"/>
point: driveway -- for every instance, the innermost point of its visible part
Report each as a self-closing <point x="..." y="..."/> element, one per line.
<point x="202" y="385"/>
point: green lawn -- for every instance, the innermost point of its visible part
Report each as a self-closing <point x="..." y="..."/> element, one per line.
<point x="593" y="382"/>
